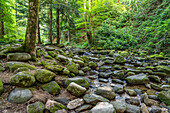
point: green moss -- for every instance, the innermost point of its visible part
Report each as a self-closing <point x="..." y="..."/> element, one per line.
<point x="92" y="65"/>
<point x="38" y="53"/>
<point x="48" y="57"/>
<point x="119" y="60"/>
<point x="57" y="106"/>
<point x="164" y="96"/>
<point x="21" y="69"/>
<point x="52" y="88"/>
<point x="164" y="69"/>
<point x="52" y="54"/>
<point x="16" y="66"/>
<point x="1" y="87"/>
<point x="55" y="68"/>
<point x="159" y="56"/>
<point x="37" y="107"/>
<point x="72" y="67"/>
<point x="85" y="58"/>
<point x="80" y="81"/>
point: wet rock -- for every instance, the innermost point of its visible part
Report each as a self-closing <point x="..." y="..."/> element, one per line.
<point x="37" y="107"/>
<point x="72" y="67"/>
<point x="134" y="71"/>
<point x="119" y="75"/>
<point x="23" y="79"/>
<point x="18" y="57"/>
<point x="54" y="106"/>
<point x="76" y="89"/>
<point x="116" y="67"/>
<point x="119" y="60"/>
<point x="94" y="99"/>
<point x="106" y="92"/>
<point x="83" y="108"/>
<point x="144" y="109"/>
<point x="62" y="100"/>
<point x="131" y="92"/>
<point x="85" y="58"/>
<point x="153" y="97"/>
<point x="62" y="58"/>
<point x="156" y="87"/>
<point x="138" y="79"/>
<point x="132" y="108"/>
<point x="81" y="73"/>
<point x="155" y="109"/>
<point x="19" y="96"/>
<point x="107" y="61"/>
<point x="75" y="103"/>
<point x="104" y="68"/>
<point x="51" y="87"/>
<point x="44" y="76"/>
<point x="130" y="73"/>
<point x="117" y="81"/>
<point x="1" y="87"/>
<point x="118" y="88"/>
<point x="103" y="107"/>
<point x="120" y="106"/>
<point x="85" y="69"/>
<point x="164" y="96"/>
<point x="103" y="80"/>
<point x="52" y="54"/>
<point x="132" y="100"/>
<point x="82" y="81"/>
<point x="105" y="74"/>
<point x="154" y="78"/>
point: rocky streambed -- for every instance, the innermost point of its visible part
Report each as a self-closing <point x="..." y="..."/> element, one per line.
<point x="72" y="80"/>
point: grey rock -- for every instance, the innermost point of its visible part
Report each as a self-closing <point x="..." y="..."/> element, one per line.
<point x="131" y="92"/>
<point x="132" y="108"/>
<point x="118" y="88"/>
<point x="37" y="107"/>
<point x="83" y="108"/>
<point x="155" y="109"/>
<point x="75" y="103"/>
<point x="120" y="106"/>
<point x="132" y="100"/>
<point x="62" y="100"/>
<point x="18" y="56"/>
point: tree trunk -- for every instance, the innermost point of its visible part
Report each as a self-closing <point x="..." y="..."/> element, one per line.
<point x="61" y="29"/>
<point x="51" y="22"/>
<point x="89" y="33"/>
<point x="39" y="37"/>
<point x="58" y="26"/>
<point x="2" y="29"/>
<point x="32" y="25"/>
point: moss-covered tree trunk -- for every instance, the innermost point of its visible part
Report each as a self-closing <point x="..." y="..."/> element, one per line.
<point x="51" y="22"/>
<point x="32" y="25"/>
<point x="39" y="37"/>
<point x="58" y="26"/>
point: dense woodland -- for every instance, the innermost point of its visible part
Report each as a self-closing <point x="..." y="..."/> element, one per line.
<point x="84" y="56"/>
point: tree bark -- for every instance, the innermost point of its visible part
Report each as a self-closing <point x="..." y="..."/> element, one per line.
<point x="58" y="26"/>
<point x="2" y="29"/>
<point x="32" y="25"/>
<point x="51" y="22"/>
<point x="89" y="33"/>
<point x="39" y="37"/>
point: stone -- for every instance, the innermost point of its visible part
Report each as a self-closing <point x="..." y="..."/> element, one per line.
<point x="120" y="106"/>
<point x="1" y="87"/>
<point x="154" y="78"/>
<point x="103" y="80"/>
<point x="75" y="103"/>
<point x="83" y="108"/>
<point x="62" y="58"/>
<point x="132" y="108"/>
<point x="51" y="87"/>
<point x="138" y="79"/>
<point x="92" y="65"/>
<point x="156" y="87"/>
<point x="24" y="78"/>
<point x="105" y="74"/>
<point x="164" y="69"/>
<point x="80" y="62"/>
<point x="117" y="67"/>
<point x="118" y="88"/>
<point x="132" y="100"/>
<point x="119" y="75"/>
<point x="144" y="109"/>
<point x="61" y="111"/>
<point x="55" y="68"/>
<point x="37" y="107"/>
<point x="82" y="81"/>
<point x="131" y="92"/>
<point x="19" y="95"/>
<point x="18" y="57"/>
<point x="54" y="106"/>
<point x="124" y="53"/>
<point x="165" y="87"/>
<point x="72" y="67"/>
<point x="76" y="89"/>
<point x="164" y="96"/>
<point x="103" y="107"/>
<point x="94" y="99"/>
<point x="106" y="92"/>
<point x="81" y="73"/>
<point x="149" y="102"/>
<point x="66" y="71"/>
<point x="85" y="58"/>
<point x="155" y="109"/>
<point x="119" y="60"/>
<point x="85" y="69"/>
<point x="48" y="57"/>
<point x="2" y="68"/>
<point x="117" y="81"/>
<point x="21" y="69"/>
<point x="52" y="54"/>
<point x="49" y="48"/>
<point x="62" y="100"/>
<point x="44" y="76"/>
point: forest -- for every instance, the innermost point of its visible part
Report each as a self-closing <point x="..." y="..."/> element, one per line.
<point x="84" y="56"/>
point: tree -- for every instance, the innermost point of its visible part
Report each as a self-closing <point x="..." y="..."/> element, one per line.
<point x="32" y="25"/>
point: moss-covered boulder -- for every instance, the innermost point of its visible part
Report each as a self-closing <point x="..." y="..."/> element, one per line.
<point x="78" y="80"/>
<point x="119" y="60"/>
<point x="164" y="69"/>
<point x="19" y="95"/>
<point x="24" y="78"/>
<point x="18" y="57"/>
<point x="48" y="57"/>
<point x="85" y="58"/>
<point x="55" y="68"/>
<point x="80" y="62"/>
<point x="51" y="87"/>
<point x="1" y="87"/>
<point x="62" y="58"/>
<point x="72" y="67"/>
<point x="1" y="68"/>
<point x="76" y="89"/>
<point x="66" y="71"/>
<point x="44" y="76"/>
<point x="49" y="48"/>
<point x="21" y="69"/>
<point x="54" y="106"/>
<point x="92" y="65"/>
<point x="138" y="79"/>
<point x="52" y="54"/>
<point x="124" y="53"/>
<point x="164" y="96"/>
<point x="158" y="56"/>
<point x="37" y="107"/>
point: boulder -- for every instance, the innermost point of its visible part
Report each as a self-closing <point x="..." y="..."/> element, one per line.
<point x="103" y="107"/>
<point x="80" y="62"/>
<point x="118" y="88"/>
<point x="44" y="76"/>
<point x="24" y="78"/>
<point x="164" y="96"/>
<point x="37" y="107"/>
<point x="54" y="106"/>
<point x="19" y="95"/>
<point x="18" y="57"/>
<point x="82" y="81"/>
<point x="94" y="99"/>
<point x="132" y="108"/>
<point x="131" y="92"/>
<point x="55" y="68"/>
<point x="83" y="108"/>
<point x="72" y="67"/>
<point x="92" y="65"/>
<point x="51" y="87"/>
<point x="75" y="103"/>
<point x="119" y="60"/>
<point x="132" y="100"/>
<point x="76" y="89"/>
<point x="120" y="106"/>
<point x="62" y="100"/>
<point x="106" y="92"/>
<point x="164" y="69"/>
<point x="138" y="79"/>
